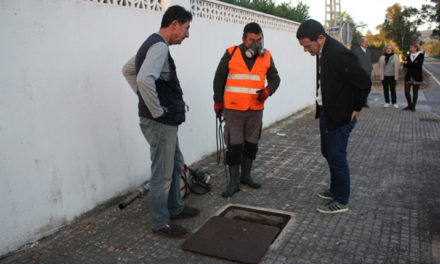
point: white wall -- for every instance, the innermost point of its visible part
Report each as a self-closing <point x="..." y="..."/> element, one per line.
<point x="69" y="134"/>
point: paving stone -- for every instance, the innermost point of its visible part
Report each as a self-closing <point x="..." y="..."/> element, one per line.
<point x="394" y="162"/>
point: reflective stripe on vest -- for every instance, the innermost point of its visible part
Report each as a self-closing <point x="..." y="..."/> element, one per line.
<point x="244" y="77"/>
<point x="242" y="85"/>
<point x="240" y="90"/>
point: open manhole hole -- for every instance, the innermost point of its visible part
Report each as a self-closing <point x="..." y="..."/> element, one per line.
<point x="239" y="233"/>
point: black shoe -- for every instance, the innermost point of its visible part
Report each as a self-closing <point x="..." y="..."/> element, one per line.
<point x="407" y="108"/>
<point x="171" y="231"/>
<point x="187" y="212"/>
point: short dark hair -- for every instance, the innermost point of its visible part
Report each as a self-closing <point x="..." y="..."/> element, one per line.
<point x="175" y="12"/>
<point x="252" y="28"/>
<point x="310" y="29"/>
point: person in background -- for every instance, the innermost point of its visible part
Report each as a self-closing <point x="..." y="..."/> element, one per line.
<point x="240" y="93"/>
<point x="152" y="75"/>
<point x="414" y="75"/>
<point x="389" y="64"/>
<point x="341" y="90"/>
<point x="364" y="56"/>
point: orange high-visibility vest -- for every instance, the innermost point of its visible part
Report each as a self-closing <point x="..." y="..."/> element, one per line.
<point x="242" y="85"/>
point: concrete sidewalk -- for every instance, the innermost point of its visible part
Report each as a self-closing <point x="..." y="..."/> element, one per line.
<point x="394" y="214"/>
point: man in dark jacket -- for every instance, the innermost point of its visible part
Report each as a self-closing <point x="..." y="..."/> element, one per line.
<point x="342" y="87"/>
<point x="364" y="56"/>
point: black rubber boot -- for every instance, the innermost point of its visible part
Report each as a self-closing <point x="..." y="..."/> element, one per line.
<point x="246" y="177"/>
<point x="234" y="181"/>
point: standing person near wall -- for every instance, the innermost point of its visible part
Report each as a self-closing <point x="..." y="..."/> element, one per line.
<point x="240" y="93"/>
<point x="152" y="75"/>
<point x="414" y="75"/>
<point x="342" y="87"/>
<point x="364" y="56"/>
<point x="389" y="64"/>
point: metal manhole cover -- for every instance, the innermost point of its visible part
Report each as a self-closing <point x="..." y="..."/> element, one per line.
<point x="232" y="239"/>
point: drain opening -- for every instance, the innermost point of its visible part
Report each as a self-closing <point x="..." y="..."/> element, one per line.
<point x="256" y="216"/>
<point x="238" y="233"/>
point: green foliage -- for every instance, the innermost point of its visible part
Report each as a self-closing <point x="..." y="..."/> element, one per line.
<point x="432" y="48"/>
<point x="400" y="25"/>
<point x="356" y="27"/>
<point x="297" y="13"/>
<point x="379" y="41"/>
<point x="431" y="14"/>
<point x="300" y="13"/>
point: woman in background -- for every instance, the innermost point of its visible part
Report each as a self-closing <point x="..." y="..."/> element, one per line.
<point x="413" y="76"/>
<point x="389" y="64"/>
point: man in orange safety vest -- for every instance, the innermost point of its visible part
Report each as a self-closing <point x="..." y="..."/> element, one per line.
<point x="239" y="94"/>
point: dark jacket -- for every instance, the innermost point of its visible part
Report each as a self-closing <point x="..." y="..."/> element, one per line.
<point x="344" y="85"/>
<point x="169" y="92"/>
<point x="364" y="60"/>
<point x="414" y="68"/>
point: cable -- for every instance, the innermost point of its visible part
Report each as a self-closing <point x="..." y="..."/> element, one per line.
<point x="220" y="140"/>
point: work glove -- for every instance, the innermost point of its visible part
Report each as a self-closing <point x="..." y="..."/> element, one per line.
<point x="263" y="94"/>
<point x="218" y="108"/>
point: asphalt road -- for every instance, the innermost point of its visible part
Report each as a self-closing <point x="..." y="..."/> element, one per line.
<point x="432" y="92"/>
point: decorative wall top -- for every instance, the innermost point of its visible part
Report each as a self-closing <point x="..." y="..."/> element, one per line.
<point x="154" y="5"/>
<point x="214" y="10"/>
<point x="220" y="11"/>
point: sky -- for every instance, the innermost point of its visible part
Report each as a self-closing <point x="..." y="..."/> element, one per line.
<point x="370" y="12"/>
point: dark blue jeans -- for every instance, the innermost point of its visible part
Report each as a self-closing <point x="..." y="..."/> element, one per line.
<point x="334" y="149"/>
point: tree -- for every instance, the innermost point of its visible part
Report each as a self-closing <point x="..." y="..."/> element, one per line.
<point x="380" y="41"/>
<point x="432" y="47"/>
<point x="297" y="13"/>
<point x="356" y="27"/>
<point x="400" y="25"/>
<point x="300" y="13"/>
<point x="431" y="14"/>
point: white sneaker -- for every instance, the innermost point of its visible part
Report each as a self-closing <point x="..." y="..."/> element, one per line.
<point x="386" y="105"/>
<point x="395" y="106"/>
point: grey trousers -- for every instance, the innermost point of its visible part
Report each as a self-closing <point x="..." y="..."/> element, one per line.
<point x="242" y="126"/>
